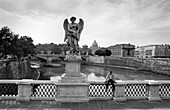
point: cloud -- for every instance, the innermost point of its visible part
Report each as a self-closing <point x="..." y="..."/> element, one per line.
<point x="107" y="21"/>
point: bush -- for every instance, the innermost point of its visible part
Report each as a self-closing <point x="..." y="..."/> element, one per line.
<point x="103" y="52"/>
<point x="99" y="52"/>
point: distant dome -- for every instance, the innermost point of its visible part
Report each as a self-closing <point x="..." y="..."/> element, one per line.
<point x="94" y="47"/>
<point x="94" y="44"/>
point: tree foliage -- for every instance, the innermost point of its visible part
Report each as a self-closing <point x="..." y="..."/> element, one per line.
<point x="12" y="44"/>
<point x="108" y="52"/>
<point x="6" y="37"/>
<point x="101" y="52"/>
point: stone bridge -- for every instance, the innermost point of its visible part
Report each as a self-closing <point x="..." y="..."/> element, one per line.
<point x="50" y="57"/>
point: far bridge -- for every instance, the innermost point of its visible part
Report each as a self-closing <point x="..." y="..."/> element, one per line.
<point x="50" y="57"/>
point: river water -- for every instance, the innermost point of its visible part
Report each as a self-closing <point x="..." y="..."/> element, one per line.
<point x="97" y="73"/>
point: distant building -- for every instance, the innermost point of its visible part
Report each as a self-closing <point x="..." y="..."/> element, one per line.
<point x="137" y="52"/>
<point x="122" y="50"/>
<point x="85" y="47"/>
<point x="153" y="51"/>
<point x="94" y="47"/>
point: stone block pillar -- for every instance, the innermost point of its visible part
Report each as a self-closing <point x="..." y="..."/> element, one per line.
<point x="73" y="92"/>
<point x="120" y="91"/>
<point x="24" y="91"/>
<point x="153" y="91"/>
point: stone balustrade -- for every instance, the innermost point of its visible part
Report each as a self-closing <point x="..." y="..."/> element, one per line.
<point x="25" y="90"/>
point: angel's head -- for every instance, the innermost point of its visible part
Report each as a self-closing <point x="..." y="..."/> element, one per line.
<point x="72" y="19"/>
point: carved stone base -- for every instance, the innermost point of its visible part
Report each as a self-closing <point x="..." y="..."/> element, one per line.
<point x="69" y="92"/>
<point x="72" y="70"/>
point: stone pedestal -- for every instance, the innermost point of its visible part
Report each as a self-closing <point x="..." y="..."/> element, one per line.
<point x="73" y="87"/>
<point x="24" y="90"/>
<point x="154" y="91"/>
<point x="73" y="92"/>
<point x="120" y="91"/>
<point x="72" y="72"/>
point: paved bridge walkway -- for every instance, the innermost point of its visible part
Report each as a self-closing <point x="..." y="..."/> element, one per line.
<point x="91" y="105"/>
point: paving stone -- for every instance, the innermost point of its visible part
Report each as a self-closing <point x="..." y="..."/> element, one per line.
<point x="91" y="105"/>
<point x="34" y="106"/>
<point x="94" y="107"/>
<point x="24" y="107"/>
<point x="92" y="102"/>
<point x="84" y="106"/>
<point x="64" y="106"/>
<point x="43" y="107"/>
<point x="14" y="106"/>
<point x="166" y="103"/>
<point x="54" y="106"/>
<point x="48" y="102"/>
<point x="75" y="106"/>
<point x="104" y="105"/>
<point x="124" y="106"/>
<point x="29" y="102"/>
<point x="114" y="107"/>
<point x="3" y="106"/>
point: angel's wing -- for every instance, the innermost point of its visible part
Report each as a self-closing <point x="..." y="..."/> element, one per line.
<point x="81" y="24"/>
<point x="65" y="26"/>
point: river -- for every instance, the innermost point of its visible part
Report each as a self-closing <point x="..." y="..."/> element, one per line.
<point x="97" y="73"/>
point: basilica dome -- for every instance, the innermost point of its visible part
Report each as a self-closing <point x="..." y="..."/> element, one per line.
<point x="94" y="47"/>
<point x="94" y="44"/>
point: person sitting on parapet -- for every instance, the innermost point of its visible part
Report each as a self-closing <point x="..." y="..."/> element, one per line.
<point x="110" y="79"/>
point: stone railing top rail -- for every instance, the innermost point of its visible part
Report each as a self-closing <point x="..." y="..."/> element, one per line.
<point x="10" y="81"/>
<point x="90" y="82"/>
<point x="136" y="81"/>
<point x="94" y="82"/>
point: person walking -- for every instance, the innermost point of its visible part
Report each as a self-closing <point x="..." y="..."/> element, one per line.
<point x="110" y="79"/>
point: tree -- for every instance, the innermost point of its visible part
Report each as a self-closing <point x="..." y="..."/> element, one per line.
<point x="11" y="44"/>
<point x="108" y="52"/>
<point x="16" y="47"/>
<point x="102" y="52"/>
<point x="56" y="49"/>
<point x="64" y="48"/>
<point x="6" y="37"/>
<point x="99" y="52"/>
<point x="27" y="46"/>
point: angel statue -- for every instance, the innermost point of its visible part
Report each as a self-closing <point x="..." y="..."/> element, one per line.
<point x="72" y="34"/>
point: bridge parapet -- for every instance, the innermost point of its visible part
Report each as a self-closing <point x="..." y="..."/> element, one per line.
<point x="50" y="57"/>
<point x="47" y="90"/>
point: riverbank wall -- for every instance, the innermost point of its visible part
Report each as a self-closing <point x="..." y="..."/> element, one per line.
<point x="15" y="69"/>
<point x="156" y="65"/>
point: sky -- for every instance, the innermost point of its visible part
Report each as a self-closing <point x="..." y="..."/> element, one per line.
<point x="109" y="22"/>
